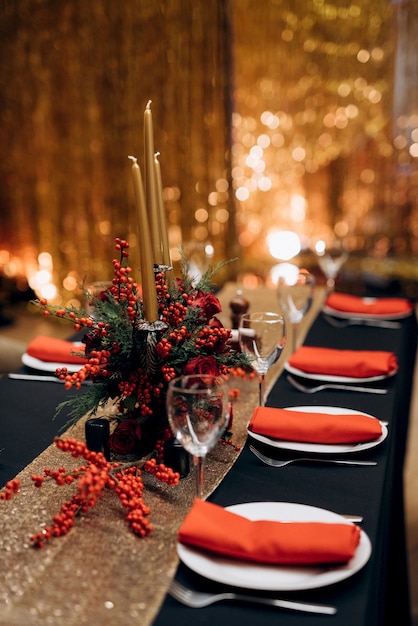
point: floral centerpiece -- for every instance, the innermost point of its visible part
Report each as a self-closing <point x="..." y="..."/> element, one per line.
<point x="136" y="339"/>
<point x="130" y="361"/>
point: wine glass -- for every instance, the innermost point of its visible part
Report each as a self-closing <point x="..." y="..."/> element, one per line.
<point x="199" y="257"/>
<point x="197" y="407"/>
<point x="262" y="335"/>
<point x="331" y="257"/>
<point x="295" y="289"/>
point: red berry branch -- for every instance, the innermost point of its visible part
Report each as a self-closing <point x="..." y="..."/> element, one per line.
<point x="91" y="480"/>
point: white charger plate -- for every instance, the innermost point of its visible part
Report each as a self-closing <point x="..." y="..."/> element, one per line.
<point x="351" y="315"/>
<point x="49" y="366"/>
<point x="330" y="378"/>
<point x="249" y="575"/>
<point x="319" y="448"/>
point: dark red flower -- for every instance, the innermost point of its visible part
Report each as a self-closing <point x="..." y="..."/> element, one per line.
<point x="209" y="304"/>
<point x="202" y="365"/>
<point x="103" y="295"/>
<point x="92" y="342"/>
<point x="125" y="436"/>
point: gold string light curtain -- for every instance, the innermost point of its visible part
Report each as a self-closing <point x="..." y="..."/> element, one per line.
<point x="75" y="78"/>
<point x="308" y="85"/>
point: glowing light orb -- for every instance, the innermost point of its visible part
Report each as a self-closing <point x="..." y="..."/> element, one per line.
<point x="288" y="271"/>
<point x="283" y="244"/>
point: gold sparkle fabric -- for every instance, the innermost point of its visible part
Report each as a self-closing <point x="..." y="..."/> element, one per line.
<point x="100" y="573"/>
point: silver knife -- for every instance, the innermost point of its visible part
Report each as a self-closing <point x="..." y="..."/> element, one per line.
<point x="355" y="519"/>
<point x="40" y="378"/>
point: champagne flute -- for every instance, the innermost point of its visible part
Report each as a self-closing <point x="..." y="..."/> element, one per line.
<point x="197" y="407"/>
<point x="331" y="257"/>
<point x="262" y="335"/>
<point x="295" y="289"/>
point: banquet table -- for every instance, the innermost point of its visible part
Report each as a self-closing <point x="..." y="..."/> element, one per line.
<point x="378" y="594"/>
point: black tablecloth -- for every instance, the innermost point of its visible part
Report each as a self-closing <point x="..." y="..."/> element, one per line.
<point x="378" y="594"/>
<point x="27" y="422"/>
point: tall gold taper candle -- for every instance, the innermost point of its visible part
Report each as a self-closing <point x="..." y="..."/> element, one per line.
<point x="161" y="213"/>
<point x="150" y="186"/>
<point x="149" y="291"/>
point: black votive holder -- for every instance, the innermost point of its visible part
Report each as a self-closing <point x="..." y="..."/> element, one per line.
<point x="97" y="431"/>
<point x="176" y="457"/>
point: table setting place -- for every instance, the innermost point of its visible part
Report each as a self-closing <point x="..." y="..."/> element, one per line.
<point x="44" y="355"/>
<point x="341" y="310"/>
<point x="314" y="368"/>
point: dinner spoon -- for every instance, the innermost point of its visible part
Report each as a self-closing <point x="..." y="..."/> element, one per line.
<point x="321" y="387"/>
<point x="199" y="599"/>
<point x="276" y="463"/>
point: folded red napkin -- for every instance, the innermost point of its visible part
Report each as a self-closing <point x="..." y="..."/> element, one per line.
<point x="352" y="363"/>
<point x="314" y="427"/>
<point x="55" y="350"/>
<point x="370" y="306"/>
<point x="213" y="528"/>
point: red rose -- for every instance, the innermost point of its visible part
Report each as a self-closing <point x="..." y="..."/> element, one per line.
<point x="125" y="436"/>
<point x="202" y="365"/>
<point x="209" y="304"/>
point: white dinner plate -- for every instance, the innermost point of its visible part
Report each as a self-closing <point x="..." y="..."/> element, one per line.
<point x="364" y="316"/>
<point x="322" y="448"/>
<point x="49" y="366"/>
<point x="249" y="575"/>
<point x="330" y="378"/>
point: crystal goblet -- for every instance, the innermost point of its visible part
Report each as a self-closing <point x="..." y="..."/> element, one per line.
<point x="295" y="290"/>
<point x="262" y="335"/>
<point x="197" y="408"/>
<point x="331" y="257"/>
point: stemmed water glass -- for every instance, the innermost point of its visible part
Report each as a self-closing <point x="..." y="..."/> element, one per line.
<point x="262" y="335"/>
<point x="331" y="257"/>
<point x="197" y="407"/>
<point x="295" y="290"/>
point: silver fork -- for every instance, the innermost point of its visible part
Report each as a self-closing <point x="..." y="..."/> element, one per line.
<point x="276" y="463"/>
<point x="321" y="387"/>
<point x="356" y="321"/>
<point x="199" y="599"/>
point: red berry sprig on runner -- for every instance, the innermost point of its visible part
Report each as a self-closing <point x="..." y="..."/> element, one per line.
<point x="10" y="489"/>
<point x="129" y="488"/>
<point x="162" y="472"/>
<point x="91" y="480"/>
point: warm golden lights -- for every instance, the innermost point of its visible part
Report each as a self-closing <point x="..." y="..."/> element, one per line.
<point x="308" y="124"/>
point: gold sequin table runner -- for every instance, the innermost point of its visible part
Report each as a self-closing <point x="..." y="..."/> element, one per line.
<point x="100" y="572"/>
